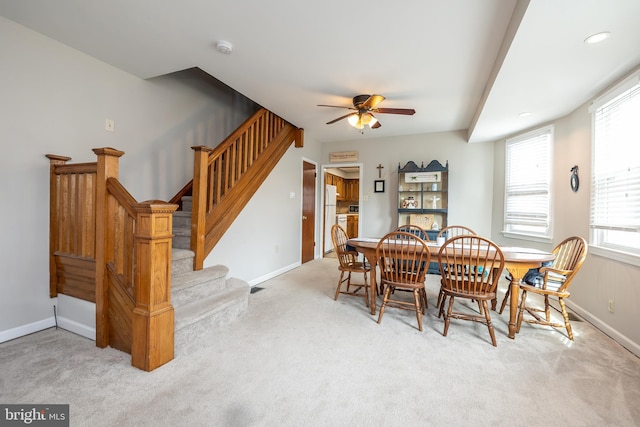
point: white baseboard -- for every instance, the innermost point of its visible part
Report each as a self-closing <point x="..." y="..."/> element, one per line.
<point x="606" y="329"/>
<point x="27" y="329"/>
<point x="77" y="328"/>
<point x="66" y="324"/>
<point x="273" y="274"/>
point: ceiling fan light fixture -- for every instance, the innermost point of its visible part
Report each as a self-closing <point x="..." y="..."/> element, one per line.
<point x="360" y="120"/>
<point x="354" y="120"/>
<point x="363" y="107"/>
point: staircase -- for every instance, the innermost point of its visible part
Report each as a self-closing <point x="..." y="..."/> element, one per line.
<point x="202" y="299"/>
<point x="110" y="249"/>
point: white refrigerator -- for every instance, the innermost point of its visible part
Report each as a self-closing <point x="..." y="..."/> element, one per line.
<point x="329" y="215"/>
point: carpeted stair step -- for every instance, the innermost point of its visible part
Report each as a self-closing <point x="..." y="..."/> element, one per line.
<point x="181" y="261"/>
<point x="195" y="285"/>
<point x="197" y="320"/>
<point x="186" y="203"/>
<point x="182" y="225"/>
<point x="181" y="237"/>
<point x="203" y="300"/>
<point x="182" y="219"/>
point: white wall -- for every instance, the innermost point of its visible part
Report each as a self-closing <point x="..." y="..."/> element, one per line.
<point x="265" y="240"/>
<point x="470" y="176"/>
<point x="55" y="100"/>
<point x="600" y="279"/>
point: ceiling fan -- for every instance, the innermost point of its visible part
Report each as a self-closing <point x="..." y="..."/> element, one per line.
<point x="363" y="108"/>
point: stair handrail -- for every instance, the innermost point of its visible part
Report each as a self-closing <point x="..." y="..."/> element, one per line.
<point x="260" y="141"/>
<point x="133" y="241"/>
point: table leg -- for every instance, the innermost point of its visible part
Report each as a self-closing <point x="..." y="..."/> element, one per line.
<point x="513" y="305"/>
<point x="517" y="271"/>
<point x="373" y="291"/>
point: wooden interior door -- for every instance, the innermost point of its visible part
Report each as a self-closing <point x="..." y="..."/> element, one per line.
<point x="308" y="211"/>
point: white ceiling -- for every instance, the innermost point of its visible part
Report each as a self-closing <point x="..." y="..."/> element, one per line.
<point x="461" y="64"/>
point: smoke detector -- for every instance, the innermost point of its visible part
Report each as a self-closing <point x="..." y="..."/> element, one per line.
<point x="224" y="47"/>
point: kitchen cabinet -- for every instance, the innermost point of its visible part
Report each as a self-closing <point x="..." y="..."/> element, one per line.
<point x="423" y="194"/>
<point x="352" y="189"/>
<point x="347" y="189"/>
<point x="352" y="226"/>
<point x="338" y="181"/>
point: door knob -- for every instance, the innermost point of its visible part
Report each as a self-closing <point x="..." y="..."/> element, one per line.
<point x="304" y="217"/>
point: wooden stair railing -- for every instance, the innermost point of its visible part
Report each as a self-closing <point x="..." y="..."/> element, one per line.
<point x="110" y="249"/>
<point x="226" y="177"/>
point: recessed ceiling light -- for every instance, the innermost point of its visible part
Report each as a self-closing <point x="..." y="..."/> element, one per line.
<point x="597" y="37"/>
<point x="525" y="114"/>
<point x="224" y="47"/>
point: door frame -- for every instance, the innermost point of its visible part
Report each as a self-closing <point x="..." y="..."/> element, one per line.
<point x="360" y="195"/>
<point x="302" y="200"/>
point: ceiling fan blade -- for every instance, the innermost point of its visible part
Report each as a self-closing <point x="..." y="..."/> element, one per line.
<point x="336" y="106"/>
<point x="405" y="111"/>
<point x="340" y="118"/>
<point x="372" y="101"/>
<point x="376" y="125"/>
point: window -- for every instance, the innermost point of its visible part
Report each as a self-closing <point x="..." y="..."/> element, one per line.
<point x="528" y="183"/>
<point x="615" y="188"/>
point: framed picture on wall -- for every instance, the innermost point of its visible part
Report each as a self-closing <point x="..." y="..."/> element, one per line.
<point x="378" y="186"/>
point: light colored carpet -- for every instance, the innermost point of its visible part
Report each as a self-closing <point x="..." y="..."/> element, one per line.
<point x="300" y="358"/>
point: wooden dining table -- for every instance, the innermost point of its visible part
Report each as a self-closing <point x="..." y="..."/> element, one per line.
<point x="517" y="261"/>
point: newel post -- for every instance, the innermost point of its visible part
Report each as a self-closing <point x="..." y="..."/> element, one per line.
<point x="299" y="137"/>
<point x="153" y="316"/>
<point x="108" y="166"/>
<point x="199" y="204"/>
<point x="53" y="219"/>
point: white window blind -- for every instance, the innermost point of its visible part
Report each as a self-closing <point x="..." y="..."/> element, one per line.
<point x="528" y="183"/>
<point x="615" y="193"/>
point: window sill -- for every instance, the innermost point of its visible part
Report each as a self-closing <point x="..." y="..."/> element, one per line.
<point x="529" y="237"/>
<point x="619" y="256"/>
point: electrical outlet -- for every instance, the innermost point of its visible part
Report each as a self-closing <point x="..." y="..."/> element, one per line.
<point x="611" y="306"/>
<point x="109" y="125"/>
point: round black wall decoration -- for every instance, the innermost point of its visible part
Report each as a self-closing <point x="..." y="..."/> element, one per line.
<point x="575" y="181"/>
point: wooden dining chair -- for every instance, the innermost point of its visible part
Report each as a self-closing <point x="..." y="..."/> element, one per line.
<point x="454" y="231"/>
<point x="414" y="229"/>
<point x="403" y="260"/>
<point x="570" y="255"/>
<point x="447" y="233"/>
<point x="348" y="263"/>
<point x="534" y="277"/>
<point x="483" y="262"/>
